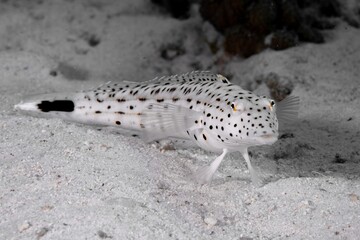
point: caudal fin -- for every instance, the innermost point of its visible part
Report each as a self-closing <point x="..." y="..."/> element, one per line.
<point x="48" y="105"/>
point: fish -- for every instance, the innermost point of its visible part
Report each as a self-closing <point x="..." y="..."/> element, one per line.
<point x="201" y="107"/>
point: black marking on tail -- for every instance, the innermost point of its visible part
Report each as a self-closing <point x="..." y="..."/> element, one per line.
<point x="57" y="105"/>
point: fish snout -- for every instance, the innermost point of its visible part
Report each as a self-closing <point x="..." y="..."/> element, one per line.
<point x="268" y="138"/>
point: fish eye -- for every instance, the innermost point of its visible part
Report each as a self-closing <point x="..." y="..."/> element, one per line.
<point x="237" y="107"/>
<point x="271" y="104"/>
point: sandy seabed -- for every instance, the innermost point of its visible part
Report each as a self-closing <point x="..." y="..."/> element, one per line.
<point x="61" y="180"/>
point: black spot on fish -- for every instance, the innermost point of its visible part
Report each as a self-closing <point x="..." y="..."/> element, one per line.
<point x="57" y="105"/>
<point x="97" y="112"/>
<point x="121" y="100"/>
<point x="142" y="99"/>
<point x="204" y="137"/>
<point x="118" y="123"/>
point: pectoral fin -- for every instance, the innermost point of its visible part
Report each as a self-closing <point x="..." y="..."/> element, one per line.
<point x="287" y="109"/>
<point x="167" y="120"/>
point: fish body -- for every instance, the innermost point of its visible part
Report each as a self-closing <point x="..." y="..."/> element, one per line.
<point x="199" y="106"/>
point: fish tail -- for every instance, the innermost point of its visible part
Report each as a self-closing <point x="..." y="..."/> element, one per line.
<point x="60" y="105"/>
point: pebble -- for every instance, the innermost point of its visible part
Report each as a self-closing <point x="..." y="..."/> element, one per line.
<point x="210" y="221"/>
<point x="26" y="225"/>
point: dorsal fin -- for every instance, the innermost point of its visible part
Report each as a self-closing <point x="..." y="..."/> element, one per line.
<point x="186" y="77"/>
<point x="190" y="77"/>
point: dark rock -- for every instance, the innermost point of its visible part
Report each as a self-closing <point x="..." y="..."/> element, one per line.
<point x="262" y="17"/>
<point x="171" y="51"/>
<point x="290" y="14"/>
<point x="246" y="23"/>
<point x="53" y="73"/>
<point x="72" y="73"/>
<point x="279" y="88"/>
<point x="177" y="8"/>
<point x="329" y="8"/>
<point x="322" y="24"/>
<point x="283" y="39"/>
<point x="308" y="34"/>
<point x="93" y="41"/>
<point x="223" y="14"/>
<point x="241" y="41"/>
<point x="286" y="135"/>
<point x="339" y="159"/>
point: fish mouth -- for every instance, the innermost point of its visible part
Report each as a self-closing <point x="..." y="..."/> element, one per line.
<point x="267" y="138"/>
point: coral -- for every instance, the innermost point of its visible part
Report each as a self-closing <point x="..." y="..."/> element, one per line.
<point x="251" y="26"/>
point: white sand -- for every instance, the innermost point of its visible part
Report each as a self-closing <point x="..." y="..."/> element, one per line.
<point x="60" y="180"/>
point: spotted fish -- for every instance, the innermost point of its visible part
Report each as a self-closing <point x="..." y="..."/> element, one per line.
<point x="202" y="107"/>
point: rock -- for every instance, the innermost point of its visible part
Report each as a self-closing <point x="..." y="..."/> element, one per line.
<point x="171" y="51"/>
<point x="210" y="221"/>
<point x="308" y="34"/>
<point x="279" y="87"/>
<point x="262" y="17"/>
<point x="246" y="23"/>
<point x="329" y="8"/>
<point x="177" y="8"/>
<point x="223" y="14"/>
<point x="290" y="14"/>
<point x="283" y="39"/>
<point x="26" y="225"/>
<point x="241" y="41"/>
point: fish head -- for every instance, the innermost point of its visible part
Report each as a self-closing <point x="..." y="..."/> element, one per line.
<point x="255" y="120"/>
